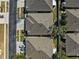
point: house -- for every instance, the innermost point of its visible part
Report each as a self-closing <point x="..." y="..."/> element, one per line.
<point x="38" y="5"/>
<point x="72" y="35"/>
<point x="72" y="3"/>
<point x="39" y="23"/>
<point x="72" y="44"/>
<point x="73" y="20"/>
<point x="39" y="20"/>
<point x="39" y="48"/>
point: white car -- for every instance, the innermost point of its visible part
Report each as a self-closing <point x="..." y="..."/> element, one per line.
<point x="20" y="47"/>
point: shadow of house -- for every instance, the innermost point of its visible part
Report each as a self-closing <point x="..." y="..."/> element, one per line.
<point x="36" y="24"/>
<point x="35" y="51"/>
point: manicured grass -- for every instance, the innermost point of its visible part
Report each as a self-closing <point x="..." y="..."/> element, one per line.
<point x="21" y="35"/>
<point x="17" y="35"/>
<point x="2" y="40"/>
<point x="21" y="56"/>
<point x="55" y="42"/>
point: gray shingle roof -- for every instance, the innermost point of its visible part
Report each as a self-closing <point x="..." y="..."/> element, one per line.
<point x="72" y="44"/>
<point x="73" y="20"/>
<point x="39" y="23"/>
<point x="72" y="3"/>
<point x="39" y="5"/>
<point x="40" y="44"/>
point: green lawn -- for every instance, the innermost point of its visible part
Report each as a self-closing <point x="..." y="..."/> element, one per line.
<point x="21" y="56"/>
<point x="2" y="40"/>
<point x="21" y="36"/>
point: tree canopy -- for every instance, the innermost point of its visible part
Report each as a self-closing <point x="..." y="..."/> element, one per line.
<point x="21" y="56"/>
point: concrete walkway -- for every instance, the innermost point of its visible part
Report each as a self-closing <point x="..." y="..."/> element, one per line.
<point x="5" y="41"/>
